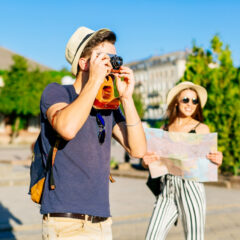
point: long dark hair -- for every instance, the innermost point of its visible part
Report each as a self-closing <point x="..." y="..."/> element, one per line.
<point x="172" y="110"/>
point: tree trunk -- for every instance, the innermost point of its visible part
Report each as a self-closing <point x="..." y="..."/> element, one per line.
<point x="15" y="129"/>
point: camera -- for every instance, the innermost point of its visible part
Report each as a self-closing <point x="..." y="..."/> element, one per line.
<point x="106" y="98"/>
<point x="116" y="61"/>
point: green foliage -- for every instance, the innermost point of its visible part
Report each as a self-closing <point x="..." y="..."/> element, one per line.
<point x="2" y="72"/>
<point x="159" y="123"/>
<point x="20" y="96"/>
<point x="137" y="98"/>
<point x="214" y="70"/>
<point x="113" y="163"/>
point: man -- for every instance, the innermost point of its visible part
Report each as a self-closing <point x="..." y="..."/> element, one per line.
<point x="78" y="208"/>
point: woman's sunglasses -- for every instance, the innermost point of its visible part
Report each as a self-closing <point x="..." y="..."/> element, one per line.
<point x="101" y="125"/>
<point x="187" y="100"/>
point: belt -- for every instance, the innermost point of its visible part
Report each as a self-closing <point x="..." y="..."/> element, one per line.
<point x="93" y="219"/>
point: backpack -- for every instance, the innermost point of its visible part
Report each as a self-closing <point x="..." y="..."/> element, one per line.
<point x="42" y="164"/>
<point x="39" y="168"/>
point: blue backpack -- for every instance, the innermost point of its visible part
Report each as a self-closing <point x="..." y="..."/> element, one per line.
<point x="41" y="164"/>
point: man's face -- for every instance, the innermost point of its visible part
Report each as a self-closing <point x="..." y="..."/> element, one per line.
<point x="105" y="48"/>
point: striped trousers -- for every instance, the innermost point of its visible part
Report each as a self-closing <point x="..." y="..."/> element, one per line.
<point x="179" y="198"/>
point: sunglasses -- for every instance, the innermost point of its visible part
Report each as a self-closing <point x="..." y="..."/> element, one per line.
<point x="101" y="125"/>
<point x="187" y="100"/>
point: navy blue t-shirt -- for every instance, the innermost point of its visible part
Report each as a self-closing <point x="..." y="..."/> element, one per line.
<point x="82" y="165"/>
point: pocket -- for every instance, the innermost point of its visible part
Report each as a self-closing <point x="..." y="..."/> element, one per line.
<point x="48" y="230"/>
<point x="45" y="235"/>
<point x="93" y="229"/>
<point x="66" y="228"/>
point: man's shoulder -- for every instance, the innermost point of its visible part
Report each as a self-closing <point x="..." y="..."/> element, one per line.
<point x="52" y="94"/>
<point x="54" y="89"/>
<point x="52" y="86"/>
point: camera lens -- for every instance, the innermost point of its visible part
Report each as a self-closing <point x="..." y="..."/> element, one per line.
<point x="116" y="61"/>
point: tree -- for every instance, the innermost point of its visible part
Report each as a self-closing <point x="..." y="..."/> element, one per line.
<point x="20" y="96"/>
<point x="214" y="70"/>
<point x="137" y="98"/>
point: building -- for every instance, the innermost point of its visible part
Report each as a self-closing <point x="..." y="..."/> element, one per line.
<point x="154" y="77"/>
<point x="6" y="61"/>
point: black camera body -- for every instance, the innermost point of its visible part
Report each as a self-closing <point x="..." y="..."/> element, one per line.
<point x="116" y="61"/>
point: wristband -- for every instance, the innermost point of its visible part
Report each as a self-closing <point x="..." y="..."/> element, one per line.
<point x="132" y="125"/>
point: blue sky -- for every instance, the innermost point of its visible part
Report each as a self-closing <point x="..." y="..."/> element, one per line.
<point x="40" y="29"/>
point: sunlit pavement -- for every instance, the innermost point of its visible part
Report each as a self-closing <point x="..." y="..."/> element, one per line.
<point x="131" y="206"/>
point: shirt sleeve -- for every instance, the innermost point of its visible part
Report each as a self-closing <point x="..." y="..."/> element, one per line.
<point x="52" y="94"/>
<point x="117" y="117"/>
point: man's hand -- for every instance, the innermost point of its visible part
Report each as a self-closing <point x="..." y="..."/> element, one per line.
<point x="125" y="88"/>
<point x="100" y="67"/>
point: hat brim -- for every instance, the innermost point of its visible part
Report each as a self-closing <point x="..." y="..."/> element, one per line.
<point x="74" y="68"/>
<point x="201" y="91"/>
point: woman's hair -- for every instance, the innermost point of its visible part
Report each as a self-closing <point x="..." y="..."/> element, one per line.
<point x="173" y="111"/>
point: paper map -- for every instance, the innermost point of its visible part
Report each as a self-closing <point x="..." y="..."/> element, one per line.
<point x="182" y="154"/>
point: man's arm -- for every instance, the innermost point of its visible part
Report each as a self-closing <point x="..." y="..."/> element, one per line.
<point x="130" y="134"/>
<point x="67" y="119"/>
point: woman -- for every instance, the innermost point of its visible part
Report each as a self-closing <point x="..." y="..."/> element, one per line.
<point x="181" y="197"/>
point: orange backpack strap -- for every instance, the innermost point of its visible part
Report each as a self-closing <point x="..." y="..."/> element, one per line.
<point x="54" y="152"/>
<point x="112" y="180"/>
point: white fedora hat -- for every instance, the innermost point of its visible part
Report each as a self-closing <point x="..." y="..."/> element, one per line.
<point x="201" y="91"/>
<point x="77" y="43"/>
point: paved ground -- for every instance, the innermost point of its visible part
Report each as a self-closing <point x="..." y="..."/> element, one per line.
<point x="14" y="153"/>
<point x="131" y="206"/>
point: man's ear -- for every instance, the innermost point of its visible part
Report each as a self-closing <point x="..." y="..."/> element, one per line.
<point x="83" y="64"/>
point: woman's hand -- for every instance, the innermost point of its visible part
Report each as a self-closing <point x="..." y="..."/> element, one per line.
<point x="215" y="157"/>
<point x="148" y="158"/>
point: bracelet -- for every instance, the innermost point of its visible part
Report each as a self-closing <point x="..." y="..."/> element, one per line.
<point x="132" y="125"/>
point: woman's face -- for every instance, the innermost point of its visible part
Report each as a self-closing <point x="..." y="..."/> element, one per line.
<point x="187" y="102"/>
